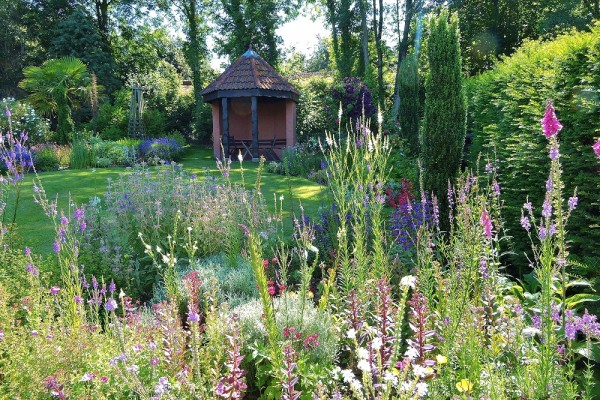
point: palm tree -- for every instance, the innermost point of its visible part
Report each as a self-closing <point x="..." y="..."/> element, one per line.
<point x="56" y="87"/>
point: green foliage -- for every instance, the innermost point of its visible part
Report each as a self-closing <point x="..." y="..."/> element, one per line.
<point x="316" y="110"/>
<point x="56" y="87"/>
<point x="45" y="158"/>
<point x="443" y="134"/>
<point x="78" y="36"/>
<point x="25" y="119"/>
<point x="155" y="123"/>
<point x="245" y="23"/>
<point x="409" y="113"/>
<point x="82" y="155"/>
<point x="291" y="311"/>
<point x="300" y="160"/>
<point x="505" y="108"/>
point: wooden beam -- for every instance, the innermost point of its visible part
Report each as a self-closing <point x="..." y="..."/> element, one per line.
<point x="254" y="110"/>
<point x="225" y="125"/>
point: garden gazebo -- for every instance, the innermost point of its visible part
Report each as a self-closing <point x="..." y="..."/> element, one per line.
<point x="253" y="109"/>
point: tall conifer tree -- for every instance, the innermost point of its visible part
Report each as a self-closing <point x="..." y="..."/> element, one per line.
<point x="444" y="125"/>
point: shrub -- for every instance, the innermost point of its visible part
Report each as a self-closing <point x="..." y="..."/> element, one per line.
<point x="409" y="113"/>
<point x="291" y="311"/>
<point x="155" y="123"/>
<point x="355" y="97"/>
<point x="316" y="110"/>
<point x="300" y="160"/>
<point x="45" y="157"/>
<point x="24" y="119"/>
<point x="444" y="122"/>
<point x="165" y="149"/>
<point x="108" y="153"/>
<point x="505" y="105"/>
<point x="235" y="284"/>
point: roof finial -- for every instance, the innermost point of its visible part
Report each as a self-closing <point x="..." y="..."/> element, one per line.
<point x="250" y="52"/>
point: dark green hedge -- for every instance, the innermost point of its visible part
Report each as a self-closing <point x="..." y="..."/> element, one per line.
<point x="505" y="109"/>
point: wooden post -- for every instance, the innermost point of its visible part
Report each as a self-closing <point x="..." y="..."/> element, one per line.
<point x="254" y="109"/>
<point x="225" y="125"/>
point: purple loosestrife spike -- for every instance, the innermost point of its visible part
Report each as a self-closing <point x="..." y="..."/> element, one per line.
<point x="32" y="269"/>
<point x="111" y="305"/>
<point x="525" y="223"/>
<point x="550" y="124"/>
<point x="7" y="112"/>
<point x="573" y="202"/>
<point x="596" y="147"/>
<point x="547" y="208"/>
<point x="56" y="247"/>
<point x="486" y="223"/>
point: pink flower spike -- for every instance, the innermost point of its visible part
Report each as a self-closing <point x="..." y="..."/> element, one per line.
<point x="486" y="223"/>
<point x="596" y="147"/>
<point x="550" y="124"/>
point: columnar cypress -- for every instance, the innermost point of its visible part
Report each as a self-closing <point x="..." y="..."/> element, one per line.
<point x="410" y="107"/>
<point x="444" y="126"/>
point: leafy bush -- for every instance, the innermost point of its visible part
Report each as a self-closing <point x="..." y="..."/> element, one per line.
<point x="504" y="115"/>
<point x="235" y="284"/>
<point x="165" y="149"/>
<point x="316" y="109"/>
<point x="355" y="97"/>
<point x="155" y="123"/>
<point x="300" y="160"/>
<point x="24" y="119"/>
<point x="291" y="311"/>
<point x="45" y="157"/>
<point x="108" y="153"/>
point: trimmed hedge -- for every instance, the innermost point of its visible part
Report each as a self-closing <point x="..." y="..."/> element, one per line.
<point x="505" y="109"/>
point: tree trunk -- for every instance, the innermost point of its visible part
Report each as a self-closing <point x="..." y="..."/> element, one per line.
<point x="409" y="11"/>
<point x="102" y="18"/>
<point x="363" y="67"/>
<point x="191" y="15"/>
<point x="332" y="17"/>
<point x="378" y="28"/>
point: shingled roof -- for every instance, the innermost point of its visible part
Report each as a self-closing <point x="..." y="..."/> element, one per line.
<point x="249" y="75"/>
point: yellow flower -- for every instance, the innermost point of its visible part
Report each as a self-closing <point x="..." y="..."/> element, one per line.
<point x="441" y="360"/>
<point x="464" y="386"/>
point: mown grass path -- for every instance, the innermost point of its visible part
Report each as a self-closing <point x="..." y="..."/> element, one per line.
<point x="35" y="230"/>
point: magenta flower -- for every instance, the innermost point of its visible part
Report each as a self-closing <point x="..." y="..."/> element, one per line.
<point x="486" y="223"/>
<point x="596" y="147"/>
<point x="7" y="112"/>
<point x="550" y="124"/>
<point x="54" y="290"/>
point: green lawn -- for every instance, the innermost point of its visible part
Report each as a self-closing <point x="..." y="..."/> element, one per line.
<point x="36" y="231"/>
